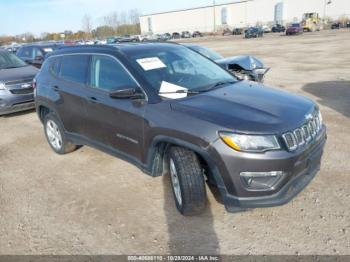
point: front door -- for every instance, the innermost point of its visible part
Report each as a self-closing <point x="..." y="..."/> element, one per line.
<point x="116" y="123"/>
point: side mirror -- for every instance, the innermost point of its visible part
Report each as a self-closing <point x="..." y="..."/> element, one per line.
<point x="131" y="92"/>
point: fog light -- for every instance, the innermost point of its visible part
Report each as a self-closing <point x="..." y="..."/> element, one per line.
<point x="261" y="180"/>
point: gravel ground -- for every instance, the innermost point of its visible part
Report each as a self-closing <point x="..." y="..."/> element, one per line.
<point x="89" y="202"/>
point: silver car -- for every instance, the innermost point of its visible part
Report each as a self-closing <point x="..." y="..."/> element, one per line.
<point x="16" y="84"/>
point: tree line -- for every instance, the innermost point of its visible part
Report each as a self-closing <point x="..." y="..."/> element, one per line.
<point x="115" y="23"/>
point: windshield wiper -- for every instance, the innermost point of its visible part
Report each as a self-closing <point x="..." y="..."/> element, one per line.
<point x="198" y="91"/>
<point x="180" y="92"/>
<point x="216" y="85"/>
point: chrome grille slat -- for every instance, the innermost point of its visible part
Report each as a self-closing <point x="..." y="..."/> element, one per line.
<point x="298" y="133"/>
<point x="16" y="82"/>
<point x="304" y="134"/>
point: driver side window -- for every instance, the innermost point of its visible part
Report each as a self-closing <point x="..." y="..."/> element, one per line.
<point x="108" y="74"/>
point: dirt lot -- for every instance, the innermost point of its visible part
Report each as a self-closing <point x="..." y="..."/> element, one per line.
<point x="88" y="202"/>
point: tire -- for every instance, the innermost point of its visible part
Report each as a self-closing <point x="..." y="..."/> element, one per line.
<point x="56" y="136"/>
<point x="187" y="181"/>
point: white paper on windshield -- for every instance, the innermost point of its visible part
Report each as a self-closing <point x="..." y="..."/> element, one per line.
<point x="150" y="63"/>
<point x="169" y="90"/>
<point x="48" y="50"/>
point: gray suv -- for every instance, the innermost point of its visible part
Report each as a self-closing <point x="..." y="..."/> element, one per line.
<point x="16" y="90"/>
<point x="170" y="110"/>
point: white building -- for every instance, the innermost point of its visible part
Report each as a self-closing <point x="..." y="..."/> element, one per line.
<point x="240" y="14"/>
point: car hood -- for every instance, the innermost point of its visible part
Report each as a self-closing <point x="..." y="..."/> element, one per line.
<point x="14" y="74"/>
<point x="245" y="61"/>
<point x="248" y="107"/>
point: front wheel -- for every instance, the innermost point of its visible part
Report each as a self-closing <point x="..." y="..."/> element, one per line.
<point x="187" y="181"/>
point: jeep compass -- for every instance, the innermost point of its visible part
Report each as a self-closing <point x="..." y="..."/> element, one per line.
<point x="171" y="111"/>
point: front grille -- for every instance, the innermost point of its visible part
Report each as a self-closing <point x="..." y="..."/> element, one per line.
<point x="22" y="91"/>
<point x="304" y="134"/>
<point x="20" y="87"/>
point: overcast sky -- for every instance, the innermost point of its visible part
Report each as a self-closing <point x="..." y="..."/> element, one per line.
<point x="36" y="16"/>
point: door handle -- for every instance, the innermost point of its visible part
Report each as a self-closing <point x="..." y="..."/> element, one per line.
<point x="55" y="88"/>
<point x="92" y="99"/>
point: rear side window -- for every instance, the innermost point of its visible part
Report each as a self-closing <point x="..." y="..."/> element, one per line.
<point x="74" y="68"/>
<point x="55" y="65"/>
<point x="108" y="74"/>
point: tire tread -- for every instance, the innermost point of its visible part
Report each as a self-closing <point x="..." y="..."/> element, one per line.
<point x="191" y="176"/>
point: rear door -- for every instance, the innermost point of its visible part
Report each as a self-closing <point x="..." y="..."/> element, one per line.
<point x="117" y="123"/>
<point x="70" y="86"/>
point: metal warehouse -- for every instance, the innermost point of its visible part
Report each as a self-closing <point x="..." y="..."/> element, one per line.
<point x="241" y="14"/>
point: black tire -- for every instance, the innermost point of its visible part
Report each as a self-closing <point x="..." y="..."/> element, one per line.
<point x="190" y="179"/>
<point x="65" y="145"/>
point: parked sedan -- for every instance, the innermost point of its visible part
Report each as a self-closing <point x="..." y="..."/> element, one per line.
<point x="266" y="29"/>
<point x="237" y="31"/>
<point x="34" y="54"/>
<point x="185" y="34"/>
<point x="165" y="36"/>
<point x="175" y="35"/>
<point x="197" y="34"/>
<point x="277" y="28"/>
<point x="16" y="89"/>
<point x="254" y="32"/>
<point x="294" y="29"/>
<point x="12" y="48"/>
<point x="335" y="25"/>
<point x="226" y="31"/>
<point x="243" y="67"/>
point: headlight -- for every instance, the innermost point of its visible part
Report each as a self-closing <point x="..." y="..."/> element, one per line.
<point x="2" y="86"/>
<point x="250" y="143"/>
<point x="320" y="118"/>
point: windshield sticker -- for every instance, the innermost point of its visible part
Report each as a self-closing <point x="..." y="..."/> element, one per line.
<point x="172" y="91"/>
<point x="150" y="63"/>
<point x="47" y="50"/>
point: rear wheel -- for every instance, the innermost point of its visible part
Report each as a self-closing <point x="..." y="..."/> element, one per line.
<point x="55" y="135"/>
<point x="187" y="181"/>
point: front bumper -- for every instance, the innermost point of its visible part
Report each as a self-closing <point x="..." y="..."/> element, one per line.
<point x="300" y="168"/>
<point x="10" y="103"/>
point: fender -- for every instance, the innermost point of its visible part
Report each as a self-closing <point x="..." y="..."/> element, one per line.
<point x="156" y="158"/>
<point x="46" y="103"/>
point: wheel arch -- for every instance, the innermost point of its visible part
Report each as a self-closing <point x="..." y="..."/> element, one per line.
<point x="43" y="108"/>
<point x="159" y="147"/>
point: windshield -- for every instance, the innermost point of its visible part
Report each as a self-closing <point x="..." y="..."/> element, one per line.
<point x="295" y="25"/>
<point x="9" y="60"/>
<point x="177" y="67"/>
<point x="206" y="52"/>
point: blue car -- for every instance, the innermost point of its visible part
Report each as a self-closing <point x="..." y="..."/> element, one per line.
<point x="254" y="32"/>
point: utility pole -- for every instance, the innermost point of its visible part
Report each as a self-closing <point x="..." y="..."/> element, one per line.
<point x="214" y="17"/>
<point x="246" y="13"/>
<point x="326" y="2"/>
